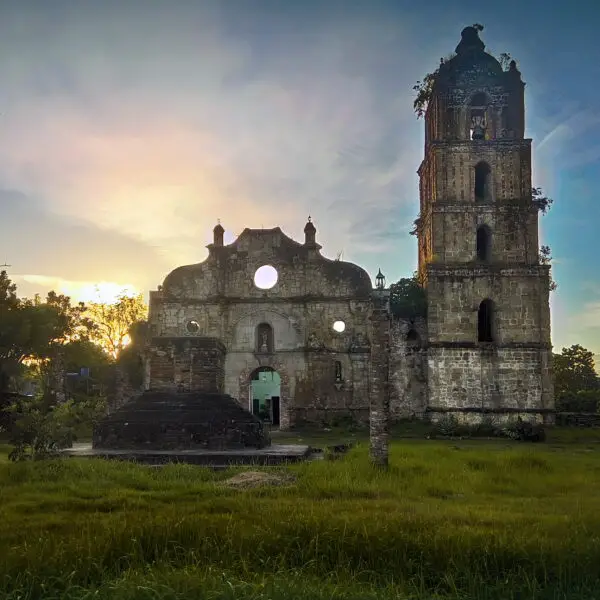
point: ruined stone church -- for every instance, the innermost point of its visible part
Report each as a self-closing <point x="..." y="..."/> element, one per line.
<point x="300" y="347"/>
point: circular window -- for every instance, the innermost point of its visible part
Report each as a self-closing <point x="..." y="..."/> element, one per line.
<point x="192" y="327"/>
<point x="339" y="326"/>
<point x="265" y="277"/>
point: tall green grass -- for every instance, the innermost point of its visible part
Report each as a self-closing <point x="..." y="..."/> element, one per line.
<point x="480" y="522"/>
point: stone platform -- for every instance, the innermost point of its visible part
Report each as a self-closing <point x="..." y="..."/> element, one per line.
<point x="158" y="421"/>
<point x="269" y="456"/>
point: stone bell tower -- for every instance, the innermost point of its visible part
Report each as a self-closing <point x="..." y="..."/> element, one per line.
<point x="488" y="319"/>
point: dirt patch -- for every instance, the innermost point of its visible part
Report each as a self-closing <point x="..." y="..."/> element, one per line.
<point x="251" y="479"/>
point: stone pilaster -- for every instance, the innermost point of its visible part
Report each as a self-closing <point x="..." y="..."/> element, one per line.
<point x="379" y="408"/>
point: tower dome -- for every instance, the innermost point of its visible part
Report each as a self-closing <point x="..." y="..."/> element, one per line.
<point x="471" y="62"/>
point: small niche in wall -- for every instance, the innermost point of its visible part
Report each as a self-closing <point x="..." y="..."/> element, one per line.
<point x="264" y="339"/>
<point x="338" y="372"/>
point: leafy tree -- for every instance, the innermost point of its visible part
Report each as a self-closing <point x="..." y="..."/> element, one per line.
<point x="34" y="331"/>
<point x="408" y="298"/>
<point x="113" y="322"/>
<point x="87" y="354"/>
<point x="576" y="383"/>
<point x="130" y="358"/>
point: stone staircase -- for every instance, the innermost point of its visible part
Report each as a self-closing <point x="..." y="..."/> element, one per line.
<point x="162" y="420"/>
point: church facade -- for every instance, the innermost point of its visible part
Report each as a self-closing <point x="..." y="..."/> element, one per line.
<point x="298" y="347"/>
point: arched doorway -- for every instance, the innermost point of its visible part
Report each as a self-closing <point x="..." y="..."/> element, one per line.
<point x="265" y="394"/>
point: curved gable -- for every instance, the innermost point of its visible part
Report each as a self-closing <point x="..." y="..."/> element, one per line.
<point x="228" y="272"/>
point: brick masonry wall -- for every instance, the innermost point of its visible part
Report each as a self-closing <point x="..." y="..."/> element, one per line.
<point x="186" y="365"/>
<point x="488" y="377"/>
<point x="520" y="296"/>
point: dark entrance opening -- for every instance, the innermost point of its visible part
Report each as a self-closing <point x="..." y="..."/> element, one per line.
<point x="275" y="410"/>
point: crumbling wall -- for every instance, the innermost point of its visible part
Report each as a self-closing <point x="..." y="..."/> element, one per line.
<point x="324" y="372"/>
<point x="408" y="368"/>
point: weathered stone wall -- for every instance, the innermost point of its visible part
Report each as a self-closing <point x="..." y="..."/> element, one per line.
<point x="311" y="293"/>
<point x="186" y="364"/>
<point x="488" y="377"/>
<point x="408" y="368"/>
<point x="520" y="296"/>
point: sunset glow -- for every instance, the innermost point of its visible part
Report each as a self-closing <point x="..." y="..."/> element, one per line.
<point x="103" y="292"/>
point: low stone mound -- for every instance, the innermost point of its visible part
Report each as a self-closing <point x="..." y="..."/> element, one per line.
<point x="252" y="479"/>
<point x="160" y="420"/>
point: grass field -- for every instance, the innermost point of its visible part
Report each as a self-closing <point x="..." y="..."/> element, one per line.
<point x="449" y="519"/>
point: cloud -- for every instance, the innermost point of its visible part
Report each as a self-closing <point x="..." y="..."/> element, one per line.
<point x="36" y="240"/>
<point x="154" y="125"/>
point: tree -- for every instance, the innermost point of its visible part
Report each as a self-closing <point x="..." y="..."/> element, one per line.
<point x="113" y="322"/>
<point x="130" y="358"/>
<point x="576" y="383"/>
<point x="35" y="339"/>
<point x="34" y="331"/>
<point x="408" y="298"/>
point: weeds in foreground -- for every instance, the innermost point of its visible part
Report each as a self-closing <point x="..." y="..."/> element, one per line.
<point x="457" y="522"/>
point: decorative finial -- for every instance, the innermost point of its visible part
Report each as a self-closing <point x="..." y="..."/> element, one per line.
<point x="309" y="232"/>
<point x="469" y="41"/>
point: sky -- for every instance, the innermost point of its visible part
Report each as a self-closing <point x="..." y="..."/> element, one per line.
<point x="129" y="128"/>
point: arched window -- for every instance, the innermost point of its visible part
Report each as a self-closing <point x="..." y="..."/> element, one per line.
<point x="338" y="372"/>
<point x="485" y="321"/>
<point x="483" y="180"/>
<point x="264" y="338"/>
<point x="484" y="243"/>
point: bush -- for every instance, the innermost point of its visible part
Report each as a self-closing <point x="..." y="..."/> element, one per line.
<point x="524" y="431"/>
<point x="450" y="426"/>
<point x="42" y="427"/>
<point x="584" y="401"/>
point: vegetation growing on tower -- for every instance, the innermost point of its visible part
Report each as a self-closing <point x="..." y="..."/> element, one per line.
<point x="424" y="87"/>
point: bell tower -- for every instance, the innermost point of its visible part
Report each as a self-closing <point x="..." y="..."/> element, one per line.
<point x="488" y="295"/>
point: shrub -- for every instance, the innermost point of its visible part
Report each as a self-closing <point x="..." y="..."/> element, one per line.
<point x="41" y="426"/>
<point x="524" y="431"/>
<point x="583" y="401"/>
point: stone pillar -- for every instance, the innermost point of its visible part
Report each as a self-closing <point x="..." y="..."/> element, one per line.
<point x="379" y="405"/>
